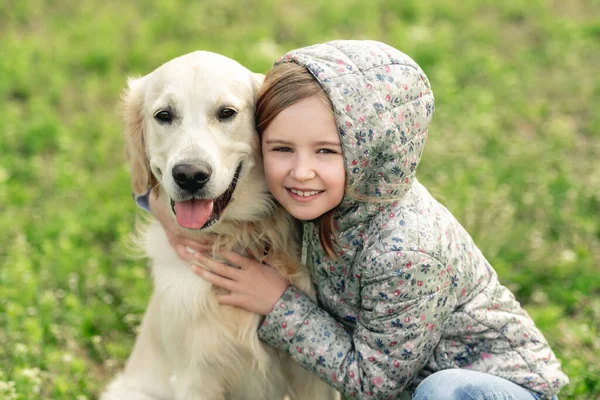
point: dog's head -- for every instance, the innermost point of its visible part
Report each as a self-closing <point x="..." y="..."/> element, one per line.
<point x="190" y="133"/>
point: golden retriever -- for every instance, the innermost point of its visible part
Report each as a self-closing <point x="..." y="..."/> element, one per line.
<point x="190" y="135"/>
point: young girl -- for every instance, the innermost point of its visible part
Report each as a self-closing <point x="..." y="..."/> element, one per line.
<point x="407" y="302"/>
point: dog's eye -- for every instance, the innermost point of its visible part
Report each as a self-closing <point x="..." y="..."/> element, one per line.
<point x="226" y="113"/>
<point x="164" y="116"/>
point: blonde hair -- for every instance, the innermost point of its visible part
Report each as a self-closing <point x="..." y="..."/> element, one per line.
<point x="284" y="85"/>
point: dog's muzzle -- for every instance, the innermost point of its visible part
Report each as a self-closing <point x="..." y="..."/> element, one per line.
<point x="199" y="213"/>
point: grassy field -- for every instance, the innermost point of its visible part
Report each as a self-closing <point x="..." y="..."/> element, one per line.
<point x="514" y="153"/>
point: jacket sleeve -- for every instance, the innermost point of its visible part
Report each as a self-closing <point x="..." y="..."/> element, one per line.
<point x="406" y="297"/>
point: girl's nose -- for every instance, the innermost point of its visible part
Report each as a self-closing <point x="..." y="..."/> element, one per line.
<point x="303" y="170"/>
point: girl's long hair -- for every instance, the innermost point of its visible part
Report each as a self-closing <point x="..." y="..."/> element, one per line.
<point x="284" y="85"/>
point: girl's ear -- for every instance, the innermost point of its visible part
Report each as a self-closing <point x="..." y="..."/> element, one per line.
<point x="133" y="116"/>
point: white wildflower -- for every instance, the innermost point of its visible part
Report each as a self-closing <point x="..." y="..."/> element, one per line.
<point x="539" y="297"/>
<point x="35" y="376"/>
<point x="568" y="256"/>
<point x="73" y="281"/>
<point x="108" y="298"/>
<point x="7" y="390"/>
<point x="111" y="363"/>
<point x="20" y="349"/>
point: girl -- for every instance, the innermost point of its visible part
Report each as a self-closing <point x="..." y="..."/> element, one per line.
<point x="407" y="302"/>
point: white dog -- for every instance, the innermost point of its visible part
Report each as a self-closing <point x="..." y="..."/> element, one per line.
<point x="190" y="135"/>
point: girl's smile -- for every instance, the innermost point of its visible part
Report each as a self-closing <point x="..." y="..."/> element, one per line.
<point x="304" y="194"/>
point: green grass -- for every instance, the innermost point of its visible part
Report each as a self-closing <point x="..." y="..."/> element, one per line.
<point x="514" y="153"/>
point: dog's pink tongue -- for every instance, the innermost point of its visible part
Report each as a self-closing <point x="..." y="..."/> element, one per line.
<point x="193" y="214"/>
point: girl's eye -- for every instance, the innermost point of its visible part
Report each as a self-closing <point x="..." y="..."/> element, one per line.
<point x="226" y="113"/>
<point x="326" y="151"/>
<point x="164" y="117"/>
<point x="282" y="149"/>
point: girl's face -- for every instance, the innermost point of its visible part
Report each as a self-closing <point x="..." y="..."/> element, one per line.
<point x="303" y="160"/>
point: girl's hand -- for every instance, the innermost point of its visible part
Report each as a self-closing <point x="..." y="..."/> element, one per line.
<point x="254" y="287"/>
<point x="184" y="246"/>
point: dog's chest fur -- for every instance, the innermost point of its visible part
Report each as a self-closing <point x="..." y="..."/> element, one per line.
<point x="201" y="335"/>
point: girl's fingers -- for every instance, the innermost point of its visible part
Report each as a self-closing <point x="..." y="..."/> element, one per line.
<point x="183" y="252"/>
<point x="236" y="259"/>
<point x="185" y="248"/>
<point x="196" y="246"/>
<point x="228" y="299"/>
<point x="187" y="253"/>
<point x="215" y="279"/>
<point x="267" y="260"/>
<point x="216" y="267"/>
<point x="252" y="256"/>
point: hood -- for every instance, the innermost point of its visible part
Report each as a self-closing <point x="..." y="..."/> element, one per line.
<point x="383" y="105"/>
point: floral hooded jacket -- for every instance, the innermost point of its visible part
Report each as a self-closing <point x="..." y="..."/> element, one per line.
<point x="410" y="293"/>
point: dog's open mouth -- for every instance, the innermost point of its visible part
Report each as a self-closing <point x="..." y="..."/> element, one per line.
<point x="202" y="213"/>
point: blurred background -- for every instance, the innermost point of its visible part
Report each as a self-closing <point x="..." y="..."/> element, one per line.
<point x="513" y="152"/>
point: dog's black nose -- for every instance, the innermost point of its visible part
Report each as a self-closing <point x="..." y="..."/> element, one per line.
<point x="191" y="177"/>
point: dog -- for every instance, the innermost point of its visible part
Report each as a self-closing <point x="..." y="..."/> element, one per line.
<point x="190" y="136"/>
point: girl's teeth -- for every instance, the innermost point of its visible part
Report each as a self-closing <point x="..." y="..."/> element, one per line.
<point x="304" y="194"/>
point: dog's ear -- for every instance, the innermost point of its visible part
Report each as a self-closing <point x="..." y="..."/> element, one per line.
<point x="132" y="112"/>
<point x="257" y="81"/>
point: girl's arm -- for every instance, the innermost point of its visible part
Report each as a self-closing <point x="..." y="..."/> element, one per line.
<point x="405" y="301"/>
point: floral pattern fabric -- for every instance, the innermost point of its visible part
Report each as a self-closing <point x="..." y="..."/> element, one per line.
<point x="410" y="293"/>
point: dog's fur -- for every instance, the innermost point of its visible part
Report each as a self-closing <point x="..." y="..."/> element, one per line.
<point x="189" y="347"/>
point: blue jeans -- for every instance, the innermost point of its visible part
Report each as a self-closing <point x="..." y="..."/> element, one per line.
<point x="464" y="384"/>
